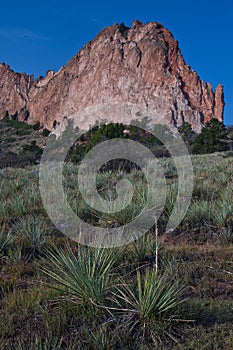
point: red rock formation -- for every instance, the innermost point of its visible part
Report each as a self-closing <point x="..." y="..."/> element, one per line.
<point x="219" y="103"/>
<point x="142" y="65"/>
<point x="14" y="91"/>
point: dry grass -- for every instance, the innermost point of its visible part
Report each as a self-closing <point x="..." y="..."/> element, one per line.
<point x="199" y="254"/>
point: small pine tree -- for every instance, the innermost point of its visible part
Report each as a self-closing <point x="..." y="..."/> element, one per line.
<point x="6" y="115"/>
<point x="105" y="132"/>
<point x="230" y="132"/>
<point x="45" y="132"/>
<point x="187" y="134"/>
<point x="33" y="148"/>
<point x="36" y="126"/>
<point x="122" y="27"/>
<point x="210" y="138"/>
<point x="15" y="116"/>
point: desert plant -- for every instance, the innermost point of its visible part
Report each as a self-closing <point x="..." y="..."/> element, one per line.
<point x="199" y="213"/>
<point x="155" y="298"/>
<point x="6" y="240"/>
<point x="84" y="278"/>
<point x="144" y="249"/>
<point x="15" y="254"/>
<point x="3" y="210"/>
<point x="34" y="229"/>
<point x="223" y="211"/>
<point x="16" y="206"/>
<point x="225" y="235"/>
<point x="101" y="339"/>
<point x="32" y="198"/>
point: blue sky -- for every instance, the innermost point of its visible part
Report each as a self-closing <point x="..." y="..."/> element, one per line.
<point x="38" y="36"/>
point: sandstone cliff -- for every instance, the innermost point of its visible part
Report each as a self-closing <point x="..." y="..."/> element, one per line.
<point x="142" y="64"/>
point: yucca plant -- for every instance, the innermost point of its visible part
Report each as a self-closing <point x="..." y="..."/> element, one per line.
<point x="83" y="278"/>
<point x="124" y="216"/>
<point x="15" y="254"/>
<point x="31" y="195"/>
<point x="144" y="249"/>
<point x="171" y="198"/>
<point x="199" y="213"/>
<point x="6" y="240"/>
<point x="225" y="235"/>
<point x="34" y="229"/>
<point x="154" y="299"/>
<point x="17" y="206"/>
<point x="4" y="212"/>
<point x="223" y="213"/>
<point x="100" y="339"/>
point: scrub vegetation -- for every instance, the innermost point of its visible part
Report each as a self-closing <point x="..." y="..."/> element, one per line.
<point x="174" y="292"/>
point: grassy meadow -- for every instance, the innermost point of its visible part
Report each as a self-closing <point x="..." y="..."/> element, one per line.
<point x="56" y="294"/>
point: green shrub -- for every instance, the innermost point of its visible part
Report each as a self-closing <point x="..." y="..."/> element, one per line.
<point x="17" y="124"/>
<point x="152" y="302"/>
<point x="122" y="28"/>
<point x="45" y="132"/>
<point x="84" y="278"/>
<point x="22" y="132"/>
<point x="36" y="126"/>
<point x="34" y="229"/>
<point x="33" y="148"/>
<point x="187" y="134"/>
<point x="6" y="240"/>
<point x="211" y="138"/>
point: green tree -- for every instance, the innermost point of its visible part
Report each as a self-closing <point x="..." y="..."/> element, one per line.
<point x="122" y="27"/>
<point x="45" y="132"/>
<point x="105" y="132"/>
<point x="187" y="134"/>
<point x="230" y="132"/>
<point x="36" y="126"/>
<point x="77" y="154"/>
<point x="211" y="138"/>
<point x="33" y="148"/>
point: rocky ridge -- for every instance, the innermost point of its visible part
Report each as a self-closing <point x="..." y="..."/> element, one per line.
<point x="138" y="65"/>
